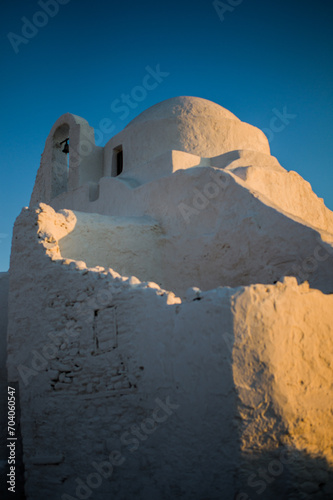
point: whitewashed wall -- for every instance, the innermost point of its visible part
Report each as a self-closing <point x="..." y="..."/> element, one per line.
<point x="179" y="396"/>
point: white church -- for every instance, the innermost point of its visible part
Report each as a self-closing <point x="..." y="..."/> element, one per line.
<point x="170" y="315"/>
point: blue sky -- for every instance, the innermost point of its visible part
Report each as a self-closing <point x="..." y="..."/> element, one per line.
<point x="255" y="58"/>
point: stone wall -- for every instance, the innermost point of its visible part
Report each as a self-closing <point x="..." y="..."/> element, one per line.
<point x="128" y="391"/>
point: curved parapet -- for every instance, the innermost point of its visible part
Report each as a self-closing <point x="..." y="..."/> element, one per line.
<point x="59" y="172"/>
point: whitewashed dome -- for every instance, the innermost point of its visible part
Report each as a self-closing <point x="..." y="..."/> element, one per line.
<point x="185" y="109"/>
<point x="194" y="125"/>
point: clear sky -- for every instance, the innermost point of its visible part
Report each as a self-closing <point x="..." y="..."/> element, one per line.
<point x="257" y="58"/>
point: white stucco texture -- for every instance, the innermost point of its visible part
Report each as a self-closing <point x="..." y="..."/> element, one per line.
<point x="246" y="369"/>
<point x="239" y="237"/>
<point x="185" y="124"/>
<point x="171" y="315"/>
<point x="188" y="124"/>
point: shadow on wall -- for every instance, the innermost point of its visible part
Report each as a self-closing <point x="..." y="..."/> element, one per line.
<point x="178" y="260"/>
<point x="286" y="473"/>
<point x="179" y="352"/>
<point x="191" y="449"/>
<point x="132" y="246"/>
<point x="4" y="467"/>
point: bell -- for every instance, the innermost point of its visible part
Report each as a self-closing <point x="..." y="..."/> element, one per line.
<point x="66" y="148"/>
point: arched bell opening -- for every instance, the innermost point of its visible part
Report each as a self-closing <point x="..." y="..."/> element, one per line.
<point x="60" y="160"/>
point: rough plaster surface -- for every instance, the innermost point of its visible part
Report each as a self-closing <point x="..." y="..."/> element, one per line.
<point x="156" y="302"/>
<point x="189" y="124"/>
<point x="85" y="159"/>
<point x="128" y="244"/>
<point x="237" y="237"/>
<point x="249" y="368"/>
<point x="184" y="124"/>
